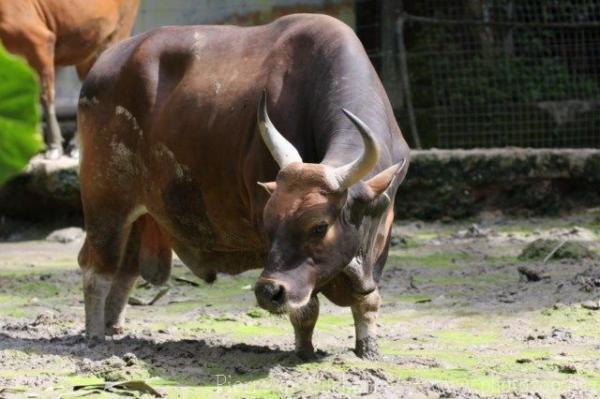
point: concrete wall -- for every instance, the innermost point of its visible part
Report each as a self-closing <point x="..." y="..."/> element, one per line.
<point x="154" y="13"/>
<point x="454" y="184"/>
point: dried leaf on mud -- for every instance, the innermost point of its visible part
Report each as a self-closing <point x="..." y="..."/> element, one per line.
<point x="186" y="281"/>
<point x="591" y="305"/>
<point x="123" y="387"/>
<point x="133" y="301"/>
<point x="159" y="295"/>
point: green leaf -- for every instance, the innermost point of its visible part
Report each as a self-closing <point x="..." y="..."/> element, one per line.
<point x="19" y="115"/>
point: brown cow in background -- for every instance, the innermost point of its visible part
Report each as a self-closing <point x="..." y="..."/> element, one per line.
<point x="51" y="33"/>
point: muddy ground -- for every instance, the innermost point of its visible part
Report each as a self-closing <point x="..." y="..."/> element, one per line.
<point x="458" y="321"/>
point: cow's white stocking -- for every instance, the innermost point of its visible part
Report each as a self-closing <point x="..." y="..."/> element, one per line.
<point x="365" y="322"/>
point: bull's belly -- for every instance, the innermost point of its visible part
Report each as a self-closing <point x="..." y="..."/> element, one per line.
<point x="206" y="250"/>
<point x="208" y="229"/>
<point x="206" y="264"/>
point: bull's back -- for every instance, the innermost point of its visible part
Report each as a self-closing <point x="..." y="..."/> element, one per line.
<point x="168" y="122"/>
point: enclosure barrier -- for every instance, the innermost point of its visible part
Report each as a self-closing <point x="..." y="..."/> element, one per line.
<point x="440" y="184"/>
<point x="489" y="73"/>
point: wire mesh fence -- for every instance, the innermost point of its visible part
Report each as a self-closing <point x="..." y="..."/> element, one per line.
<point x="488" y="73"/>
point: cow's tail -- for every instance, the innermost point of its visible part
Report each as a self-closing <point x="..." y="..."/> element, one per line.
<point x="155" y="252"/>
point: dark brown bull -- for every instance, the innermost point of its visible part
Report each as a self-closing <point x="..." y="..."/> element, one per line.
<point x="172" y="152"/>
<point x="49" y="33"/>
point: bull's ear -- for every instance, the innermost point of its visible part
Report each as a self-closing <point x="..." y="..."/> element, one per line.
<point x="268" y="186"/>
<point x="380" y="182"/>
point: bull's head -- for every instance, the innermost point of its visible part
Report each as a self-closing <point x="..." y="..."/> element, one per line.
<point x="315" y="217"/>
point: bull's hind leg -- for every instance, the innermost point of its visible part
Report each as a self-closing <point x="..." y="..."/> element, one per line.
<point x="365" y="312"/>
<point x="100" y="258"/>
<point x="123" y="281"/>
<point x="304" y="319"/>
<point x="147" y="253"/>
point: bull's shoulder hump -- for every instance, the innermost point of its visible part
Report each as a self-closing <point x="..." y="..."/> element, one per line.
<point x="317" y="24"/>
<point x="134" y="56"/>
<point x="319" y="30"/>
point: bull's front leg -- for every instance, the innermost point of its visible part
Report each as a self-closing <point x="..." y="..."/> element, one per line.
<point x="365" y="312"/>
<point x="95" y="291"/>
<point x="304" y="319"/>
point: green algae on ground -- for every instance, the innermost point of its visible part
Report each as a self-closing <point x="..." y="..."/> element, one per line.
<point x="542" y="248"/>
<point x="435" y="261"/>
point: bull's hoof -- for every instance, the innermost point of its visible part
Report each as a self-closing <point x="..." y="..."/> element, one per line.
<point x="53" y="153"/>
<point x="306" y="354"/>
<point x="114" y="330"/>
<point x="94" y="341"/>
<point x="74" y="153"/>
<point x="367" y="348"/>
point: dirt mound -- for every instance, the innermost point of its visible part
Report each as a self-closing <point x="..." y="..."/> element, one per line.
<point x="553" y="249"/>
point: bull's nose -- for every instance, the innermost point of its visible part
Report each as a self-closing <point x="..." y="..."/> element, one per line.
<point x="270" y="295"/>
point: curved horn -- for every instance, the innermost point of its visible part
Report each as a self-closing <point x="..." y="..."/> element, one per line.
<point x="282" y="150"/>
<point x="351" y="173"/>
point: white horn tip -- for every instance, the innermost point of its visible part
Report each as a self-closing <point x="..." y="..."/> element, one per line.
<point x="349" y="114"/>
<point x="403" y="164"/>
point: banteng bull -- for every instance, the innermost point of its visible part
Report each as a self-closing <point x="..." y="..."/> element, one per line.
<point x="172" y="150"/>
<point x="49" y="33"/>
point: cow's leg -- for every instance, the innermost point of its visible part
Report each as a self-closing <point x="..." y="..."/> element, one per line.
<point x="304" y="319"/>
<point x="99" y="258"/>
<point x="95" y="290"/>
<point x="36" y="44"/>
<point x="125" y="278"/>
<point x="52" y="135"/>
<point x="44" y="64"/>
<point x="365" y="312"/>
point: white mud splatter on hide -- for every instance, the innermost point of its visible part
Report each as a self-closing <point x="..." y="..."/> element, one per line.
<point x="198" y="45"/>
<point x="164" y="153"/>
<point x="119" y="110"/>
<point x="87" y="102"/>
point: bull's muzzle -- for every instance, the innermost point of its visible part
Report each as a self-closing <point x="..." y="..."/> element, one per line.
<point x="271" y="295"/>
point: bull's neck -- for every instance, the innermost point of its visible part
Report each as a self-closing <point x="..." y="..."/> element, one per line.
<point x="350" y="81"/>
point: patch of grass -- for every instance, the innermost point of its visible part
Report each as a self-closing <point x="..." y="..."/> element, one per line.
<point x="457" y="377"/>
<point x="180" y="307"/>
<point x="257" y="313"/>
<point x="464" y="339"/>
<point x="40" y="289"/>
<point x="236" y="329"/>
<point x="540" y="249"/>
<point x="12" y="300"/>
<point x="575" y="318"/>
<point x="434" y="261"/>
<point x="593" y="381"/>
<point x="414" y="298"/>
<point x="472" y="280"/>
<point x="335" y="320"/>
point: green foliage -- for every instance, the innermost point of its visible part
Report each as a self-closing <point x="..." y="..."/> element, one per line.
<point x="511" y="80"/>
<point x="19" y="115"/>
<point x="494" y="83"/>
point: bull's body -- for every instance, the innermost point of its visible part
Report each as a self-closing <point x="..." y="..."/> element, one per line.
<point x="171" y="154"/>
<point x="49" y="33"/>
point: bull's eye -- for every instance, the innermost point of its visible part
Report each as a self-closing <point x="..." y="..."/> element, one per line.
<point x="318" y="231"/>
